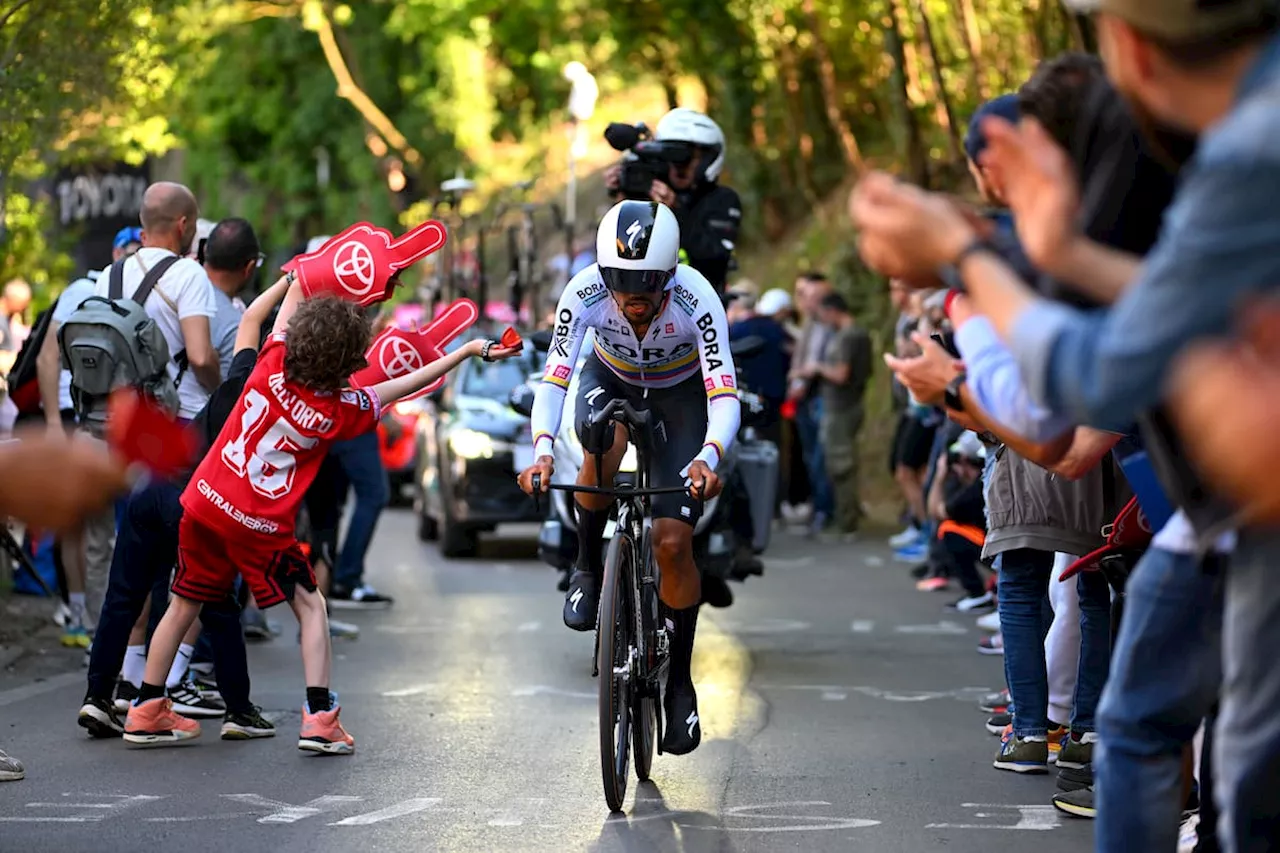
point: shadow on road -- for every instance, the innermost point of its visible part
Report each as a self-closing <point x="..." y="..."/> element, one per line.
<point x="652" y="826"/>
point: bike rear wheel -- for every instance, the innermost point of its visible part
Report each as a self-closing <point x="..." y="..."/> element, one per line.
<point x="614" y="658"/>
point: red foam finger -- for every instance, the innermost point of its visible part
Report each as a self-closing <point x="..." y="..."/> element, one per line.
<point x="395" y="352"/>
<point x="142" y="432"/>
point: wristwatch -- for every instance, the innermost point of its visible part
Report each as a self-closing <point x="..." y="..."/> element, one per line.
<point x="951" y="397"/>
<point x="950" y="273"/>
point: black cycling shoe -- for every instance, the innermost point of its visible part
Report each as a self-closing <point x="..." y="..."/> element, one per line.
<point x="582" y="602"/>
<point x="683" y="731"/>
<point x="715" y="591"/>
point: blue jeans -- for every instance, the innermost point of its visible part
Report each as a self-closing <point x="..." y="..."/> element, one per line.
<point x="1164" y="678"/>
<point x="146" y="550"/>
<point x="1247" y="744"/>
<point x="362" y="462"/>
<point x="809" y="423"/>
<point x="1025" y="617"/>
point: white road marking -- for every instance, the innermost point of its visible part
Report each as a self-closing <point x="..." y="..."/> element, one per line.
<point x="765" y="626"/>
<point x="826" y="823"/>
<point x="57" y="682"/>
<point x="197" y="817"/>
<point x="862" y="626"/>
<point x="407" y="807"/>
<point x="528" y="627"/>
<point x="833" y="692"/>
<point x="544" y="690"/>
<point x="410" y="691"/>
<point x="788" y="562"/>
<point x="873" y="560"/>
<point x="944" y="628"/>
<point x="1031" y="818"/>
<point x="281" y="812"/>
<point x="92" y="811"/>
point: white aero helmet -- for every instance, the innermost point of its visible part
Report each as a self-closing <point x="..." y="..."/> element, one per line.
<point x="638" y="247"/>
<point x="685" y="125"/>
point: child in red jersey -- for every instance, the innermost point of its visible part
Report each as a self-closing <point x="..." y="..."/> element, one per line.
<point x="240" y="505"/>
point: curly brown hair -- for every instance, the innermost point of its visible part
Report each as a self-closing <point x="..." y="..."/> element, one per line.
<point x="326" y="343"/>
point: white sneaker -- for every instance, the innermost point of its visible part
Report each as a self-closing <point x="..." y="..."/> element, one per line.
<point x="990" y="622"/>
<point x="975" y="602"/>
<point x="909" y="536"/>
<point x="62" y="614"/>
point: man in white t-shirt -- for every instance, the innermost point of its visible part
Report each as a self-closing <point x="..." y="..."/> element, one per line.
<point x="59" y="414"/>
<point x="182" y="304"/>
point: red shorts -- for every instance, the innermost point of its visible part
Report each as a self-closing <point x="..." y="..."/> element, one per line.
<point x="208" y="563"/>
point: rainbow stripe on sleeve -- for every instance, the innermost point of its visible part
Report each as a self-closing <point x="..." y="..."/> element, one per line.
<point x="718" y="393"/>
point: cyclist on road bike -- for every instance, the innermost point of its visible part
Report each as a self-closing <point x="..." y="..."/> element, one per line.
<point x="659" y="328"/>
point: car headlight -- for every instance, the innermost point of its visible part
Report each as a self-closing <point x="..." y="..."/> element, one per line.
<point x="471" y="444"/>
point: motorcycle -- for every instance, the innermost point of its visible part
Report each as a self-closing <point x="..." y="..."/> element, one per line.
<point x="714" y="542"/>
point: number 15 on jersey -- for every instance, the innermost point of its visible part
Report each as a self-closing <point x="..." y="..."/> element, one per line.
<point x="270" y="468"/>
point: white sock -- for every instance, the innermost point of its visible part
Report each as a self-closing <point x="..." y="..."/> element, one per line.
<point x="180" y="663"/>
<point x="135" y="665"/>
<point x="76" y="602"/>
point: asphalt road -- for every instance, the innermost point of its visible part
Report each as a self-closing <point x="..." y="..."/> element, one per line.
<point x="837" y="705"/>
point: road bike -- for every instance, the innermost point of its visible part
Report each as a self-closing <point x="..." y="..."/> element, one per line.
<point x="632" y="645"/>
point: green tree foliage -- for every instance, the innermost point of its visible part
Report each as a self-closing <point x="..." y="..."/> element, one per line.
<point x="252" y="93"/>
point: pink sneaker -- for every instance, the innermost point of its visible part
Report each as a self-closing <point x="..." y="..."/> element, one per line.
<point x="321" y="732"/>
<point x="154" y="723"/>
<point x="933" y="584"/>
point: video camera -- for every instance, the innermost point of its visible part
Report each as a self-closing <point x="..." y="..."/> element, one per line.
<point x="648" y="160"/>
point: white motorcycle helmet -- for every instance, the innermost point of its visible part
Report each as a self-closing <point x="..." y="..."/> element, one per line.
<point x="638" y="247"/>
<point x="685" y="125"/>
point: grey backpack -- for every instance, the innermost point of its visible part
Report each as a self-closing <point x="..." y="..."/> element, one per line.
<point x="109" y="343"/>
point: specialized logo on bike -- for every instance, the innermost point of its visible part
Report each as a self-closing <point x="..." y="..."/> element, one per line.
<point x="353" y="268"/>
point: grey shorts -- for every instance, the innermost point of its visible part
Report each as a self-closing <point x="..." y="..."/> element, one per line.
<point x="679" y="418"/>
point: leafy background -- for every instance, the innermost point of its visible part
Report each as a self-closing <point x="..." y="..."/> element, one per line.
<point x="245" y="98"/>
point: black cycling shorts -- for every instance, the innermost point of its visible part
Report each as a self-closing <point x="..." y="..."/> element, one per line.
<point x="912" y="443"/>
<point x="679" y="419"/>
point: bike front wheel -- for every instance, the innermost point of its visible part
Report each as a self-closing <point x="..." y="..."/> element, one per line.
<point x="644" y="705"/>
<point x="614" y="657"/>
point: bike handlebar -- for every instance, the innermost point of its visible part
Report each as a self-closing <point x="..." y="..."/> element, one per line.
<point x="536" y="482"/>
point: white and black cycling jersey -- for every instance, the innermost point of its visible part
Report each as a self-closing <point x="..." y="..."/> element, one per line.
<point x="689" y="335"/>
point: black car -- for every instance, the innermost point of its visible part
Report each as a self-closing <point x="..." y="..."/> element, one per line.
<point x="470" y="447"/>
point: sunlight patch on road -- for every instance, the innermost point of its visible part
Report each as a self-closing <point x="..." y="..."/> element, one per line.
<point x="729" y="709"/>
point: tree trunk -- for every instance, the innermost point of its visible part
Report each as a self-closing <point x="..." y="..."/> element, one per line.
<point x="913" y="142"/>
<point x="973" y="43"/>
<point x="1031" y="21"/>
<point x="791" y="98"/>
<point x="831" y="92"/>
<point x="947" y="116"/>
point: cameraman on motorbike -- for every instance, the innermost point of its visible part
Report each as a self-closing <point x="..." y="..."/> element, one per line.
<point x="692" y="148"/>
<point x="709" y="215"/>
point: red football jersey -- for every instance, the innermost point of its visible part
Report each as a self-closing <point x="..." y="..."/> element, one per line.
<point x="254" y="477"/>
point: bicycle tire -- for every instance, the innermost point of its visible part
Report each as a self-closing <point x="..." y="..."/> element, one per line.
<point x="644" y="713"/>
<point x="617" y="627"/>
